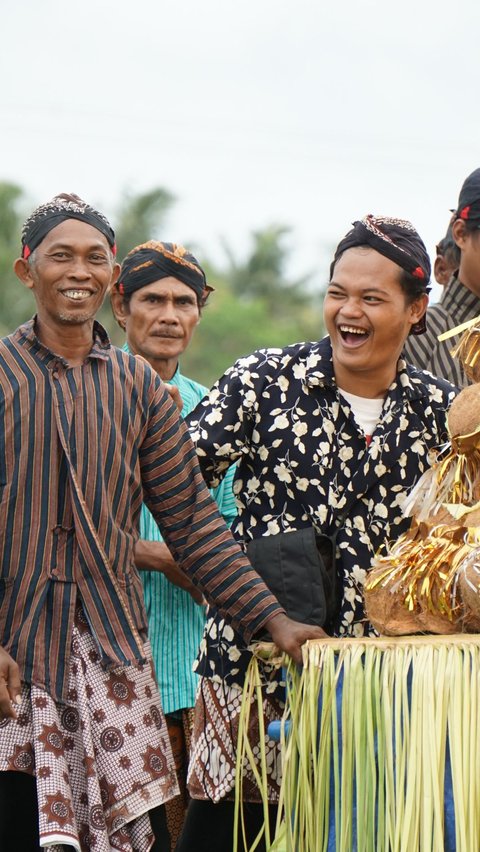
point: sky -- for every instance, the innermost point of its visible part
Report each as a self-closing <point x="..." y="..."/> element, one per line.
<point x="305" y="114"/>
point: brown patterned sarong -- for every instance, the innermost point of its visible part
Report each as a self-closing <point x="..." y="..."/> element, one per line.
<point x="180" y="727"/>
<point x="211" y="772"/>
<point x="102" y="760"/>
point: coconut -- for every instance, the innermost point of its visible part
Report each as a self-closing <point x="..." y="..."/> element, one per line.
<point x="385" y="608"/>
<point x="464" y="413"/>
<point x="468" y="590"/>
<point x="437" y="622"/>
<point x="384" y="603"/>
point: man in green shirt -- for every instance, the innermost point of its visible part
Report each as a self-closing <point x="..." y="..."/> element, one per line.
<point x="158" y="301"/>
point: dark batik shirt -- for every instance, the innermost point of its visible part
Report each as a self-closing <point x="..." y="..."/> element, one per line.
<point x="80" y="448"/>
<point x="301" y="455"/>
<point x="425" y="351"/>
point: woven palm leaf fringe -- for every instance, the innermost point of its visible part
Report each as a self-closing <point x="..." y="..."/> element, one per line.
<point x="383" y="733"/>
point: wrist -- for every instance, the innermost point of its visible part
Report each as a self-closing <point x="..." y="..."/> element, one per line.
<point x="144" y="554"/>
<point x="276" y="622"/>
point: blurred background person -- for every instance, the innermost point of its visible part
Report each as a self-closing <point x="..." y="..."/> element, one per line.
<point x="447" y="259"/>
<point x="460" y="300"/>
<point x="158" y="301"/>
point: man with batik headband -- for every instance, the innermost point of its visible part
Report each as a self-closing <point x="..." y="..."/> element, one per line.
<point x="460" y="300"/>
<point x="328" y="438"/>
<point x="158" y="300"/>
<point x="89" y="432"/>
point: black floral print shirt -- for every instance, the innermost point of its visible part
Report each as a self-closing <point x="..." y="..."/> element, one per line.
<point x="301" y="456"/>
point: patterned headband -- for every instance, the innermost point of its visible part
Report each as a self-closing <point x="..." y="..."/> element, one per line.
<point x="153" y="260"/>
<point x="58" y="210"/>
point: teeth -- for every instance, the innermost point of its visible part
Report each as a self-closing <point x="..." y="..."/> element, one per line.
<point x="350" y="329"/>
<point x="76" y="294"/>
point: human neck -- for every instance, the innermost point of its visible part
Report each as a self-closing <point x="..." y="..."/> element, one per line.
<point x="72" y="342"/>
<point x="471" y="282"/>
<point x="366" y="386"/>
<point x="165" y="367"/>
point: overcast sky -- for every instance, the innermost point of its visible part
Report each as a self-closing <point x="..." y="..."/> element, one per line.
<point x="309" y="114"/>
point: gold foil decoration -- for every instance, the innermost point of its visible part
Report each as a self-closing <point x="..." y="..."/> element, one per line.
<point x="421" y="567"/>
<point x="467" y="351"/>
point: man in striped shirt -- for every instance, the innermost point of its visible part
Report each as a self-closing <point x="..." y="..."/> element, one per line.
<point x="87" y="433"/>
<point x="460" y="300"/>
<point x="158" y="300"/>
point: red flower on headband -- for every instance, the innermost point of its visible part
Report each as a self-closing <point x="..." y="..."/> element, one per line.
<point x="26" y="252"/>
<point x="464" y="214"/>
<point x="418" y="272"/>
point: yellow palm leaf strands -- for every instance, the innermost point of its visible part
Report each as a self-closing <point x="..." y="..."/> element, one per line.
<point x="383" y="732"/>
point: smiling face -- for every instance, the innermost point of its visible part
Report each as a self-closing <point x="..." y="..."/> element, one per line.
<point x="368" y="317"/>
<point x="69" y="274"/>
<point x="159" y="320"/>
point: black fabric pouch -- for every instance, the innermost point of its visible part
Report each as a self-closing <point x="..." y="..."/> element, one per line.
<point x="299" y="569"/>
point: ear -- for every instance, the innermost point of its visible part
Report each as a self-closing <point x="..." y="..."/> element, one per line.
<point x="460" y="233"/>
<point x="119" y="307"/>
<point x="23" y="271"/>
<point x="114" y="278"/>
<point x="441" y="271"/>
<point x="418" y="308"/>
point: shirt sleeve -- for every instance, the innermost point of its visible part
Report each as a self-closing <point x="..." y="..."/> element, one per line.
<point x="189" y="520"/>
<point x="222" y="421"/>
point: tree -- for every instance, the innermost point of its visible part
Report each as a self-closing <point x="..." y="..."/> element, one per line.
<point x="254" y="306"/>
<point x="140" y="218"/>
<point x="263" y="274"/>
<point x="16" y="301"/>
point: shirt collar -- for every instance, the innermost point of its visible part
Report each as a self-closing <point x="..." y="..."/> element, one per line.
<point x="319" y="373"/>
<point x="177" y="376"/>
<point x="318" y="365"/>
<point x="27" y="335"/>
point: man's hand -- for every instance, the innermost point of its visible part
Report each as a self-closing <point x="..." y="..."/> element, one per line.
<point x="290" y="635"/>
<point x="10" y="685"/>
<point x="175" y="395"/>
<point x="155" y="556"/>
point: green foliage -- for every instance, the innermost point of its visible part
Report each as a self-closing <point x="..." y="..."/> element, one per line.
<point x="230" y="328"/>
<point x="16" y="302"/>
<point x="262" y="274"/>
<point x="140" y="217"/>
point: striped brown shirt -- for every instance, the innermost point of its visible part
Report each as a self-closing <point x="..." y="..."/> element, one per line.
<point x="425" y="351"/>
<point x="80" y="449"/>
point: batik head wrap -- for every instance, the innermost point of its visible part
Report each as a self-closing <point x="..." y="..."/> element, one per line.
<point x="59" y="209"/>
<point x="468" y="207"/>
<point x="153" y="260"/>
<point x="396" y="239"/>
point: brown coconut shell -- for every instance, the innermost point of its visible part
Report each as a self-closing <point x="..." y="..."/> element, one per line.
<point x="436" y="622"/>
<point x="468" y="590"/>
<point x="385" y="610"/>
<point x="464" y="413"/>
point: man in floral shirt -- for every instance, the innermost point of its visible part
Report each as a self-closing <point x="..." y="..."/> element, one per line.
<point x="328" y="437"/>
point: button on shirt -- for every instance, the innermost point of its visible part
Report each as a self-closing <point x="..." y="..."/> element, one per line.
<point x="80" y="449"/>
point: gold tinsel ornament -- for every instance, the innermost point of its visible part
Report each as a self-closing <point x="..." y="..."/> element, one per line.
<point x="429" y="579"/>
